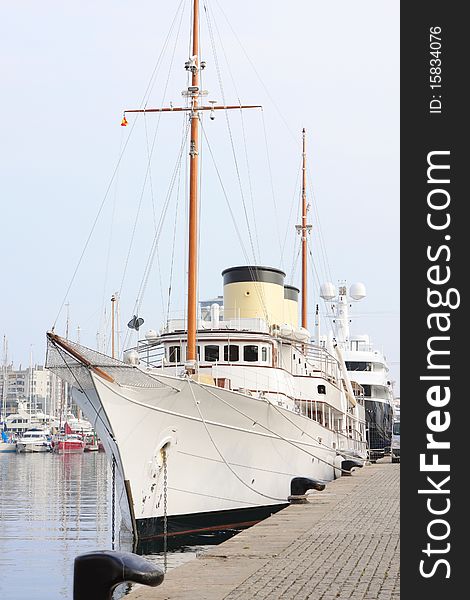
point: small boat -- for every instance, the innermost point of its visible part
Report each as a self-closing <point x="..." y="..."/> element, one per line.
<point x="91" y="443"/>
<point x="68" y="443"/>
<point x="34" y="440"/>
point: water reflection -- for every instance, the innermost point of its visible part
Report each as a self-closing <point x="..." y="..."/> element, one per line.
<point x="52" y="508"/>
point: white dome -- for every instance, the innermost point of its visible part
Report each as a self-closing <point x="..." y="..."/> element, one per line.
<point x="151" y="335"/>
<point x="131" y="357"/>
<point x="357" y="291"/>
<point x="327" y="291"/>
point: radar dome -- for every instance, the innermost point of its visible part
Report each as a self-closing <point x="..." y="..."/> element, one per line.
<point x="151" y="335"/>
<point x="357" y="291"/>
<point x="131" y="357"/>
<point x="327" y="291"/>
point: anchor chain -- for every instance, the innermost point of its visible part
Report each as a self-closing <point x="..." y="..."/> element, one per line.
<point x="113" y="502"/>
<point x="165" y="509"/>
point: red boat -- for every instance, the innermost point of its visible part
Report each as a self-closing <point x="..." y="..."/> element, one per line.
<point x="68" y="442"/>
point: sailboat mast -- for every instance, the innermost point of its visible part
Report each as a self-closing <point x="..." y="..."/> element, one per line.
<point x="304" y="231"/>
<point x="113" y="300"/>
<point x="5" y="379"/>
<point x="193" y="192"/>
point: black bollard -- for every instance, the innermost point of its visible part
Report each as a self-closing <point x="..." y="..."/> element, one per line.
<point x="299" y="487"/>
<point x="96" y="574"/>
<point x="348" y="465"/>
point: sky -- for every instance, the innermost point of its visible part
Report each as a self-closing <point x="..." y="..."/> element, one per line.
<point x="70" y="173"/>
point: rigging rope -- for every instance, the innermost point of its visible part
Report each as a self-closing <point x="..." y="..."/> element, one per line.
<point x="229" y="129"/>
<point x="156" y="238"/>
<point x="267" y="428"/>
<point x="196" y="404"/>
<point x="273" y="195"/>
<point x="245" y="254"/>
<point x="153" y="76"/>
<point x="337" y="450"/>
<point x="294" y="137"/>
<point x="295" y="262"/>
<point x="148" y="174"/>
<point x="100" y="209"/>
<point x="250" y="186"/>
<point x="294" y="203"/>
<point x="172" y="261"/>
<point x="114" y="173"/>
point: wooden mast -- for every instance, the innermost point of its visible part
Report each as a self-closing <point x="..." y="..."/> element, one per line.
<point x="195" y="65"/>
<point x="304" y="229"/>
<point x="193" y="195"/>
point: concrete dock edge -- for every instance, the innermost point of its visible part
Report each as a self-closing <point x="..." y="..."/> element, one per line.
<point x="343" y="544"/>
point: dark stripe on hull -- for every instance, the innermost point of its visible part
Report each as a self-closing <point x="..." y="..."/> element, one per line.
<point x="199" y="528"/>
<point x="379" y="418"/>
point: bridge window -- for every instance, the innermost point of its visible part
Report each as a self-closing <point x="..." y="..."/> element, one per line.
<point x="211" y="353"/>
<point x="264" y="354"/>
<point x="174" y="354"/>
<point x="355" y="365"/>
<point x="321" y="389"/>
<point x="250" y="353"/>
<point x="231" y="353"/>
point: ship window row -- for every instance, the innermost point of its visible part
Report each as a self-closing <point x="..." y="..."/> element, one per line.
<point x="358" y="365"/>
<point x="226" y="353"/>
<point x="376" y="391"/>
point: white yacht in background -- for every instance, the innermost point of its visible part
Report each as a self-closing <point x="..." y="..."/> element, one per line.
<point x="366" y="366"/>
<point x="34" y="440"/>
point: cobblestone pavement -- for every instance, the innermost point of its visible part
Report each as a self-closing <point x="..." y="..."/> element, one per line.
<point x="343" y="544"/>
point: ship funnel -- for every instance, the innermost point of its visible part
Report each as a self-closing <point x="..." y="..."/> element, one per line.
<point x="252" y="292"/>
<point x="291" y="306"/>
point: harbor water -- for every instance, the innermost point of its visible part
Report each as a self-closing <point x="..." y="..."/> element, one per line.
<point x="52" y="508"/>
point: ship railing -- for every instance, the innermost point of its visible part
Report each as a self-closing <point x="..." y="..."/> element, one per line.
<point x="352" y="441"/>
<point x="151" y="354"/>
<point x="325" y="362"/>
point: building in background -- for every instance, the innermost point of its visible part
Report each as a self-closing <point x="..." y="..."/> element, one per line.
<point x="34" y="389"/>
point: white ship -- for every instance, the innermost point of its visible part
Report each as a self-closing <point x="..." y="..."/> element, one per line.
<point x="34" y="440"/>
<point x="210" y="423"/>
<point x="366" y="366"/>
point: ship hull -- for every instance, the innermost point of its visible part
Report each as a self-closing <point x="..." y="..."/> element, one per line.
<point x="379" y="419"/>
<point x="32" y="448"/>
<point x="196" y="528"/>
<point x="230" y="458"/>
<point x="195" y="456"/>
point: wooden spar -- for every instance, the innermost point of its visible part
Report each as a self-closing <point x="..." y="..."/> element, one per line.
<point x="189" y="109"/>
<point x="193" y="199"/>
<point x="304" y="232"/>
<point x="58" y="341"/>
